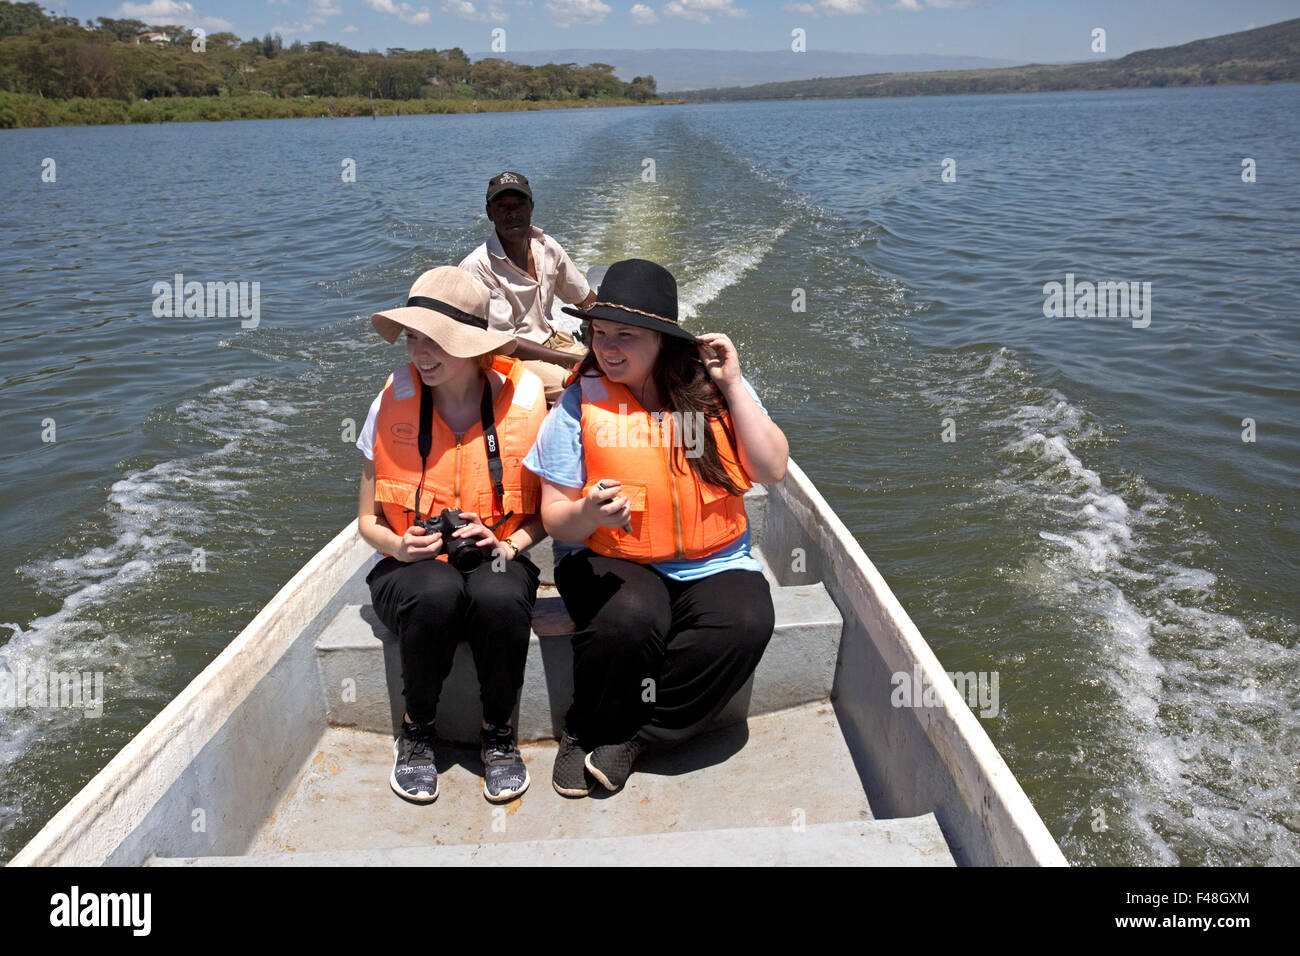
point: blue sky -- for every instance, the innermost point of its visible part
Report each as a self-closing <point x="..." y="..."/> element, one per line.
<point x="1012" y="29"/>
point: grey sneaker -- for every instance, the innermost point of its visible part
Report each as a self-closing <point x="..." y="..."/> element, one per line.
<point x="569" y="777"/>
<point x="504" y="773"/>
<point x="415" y="775"/>
<point x="612" y="763"/>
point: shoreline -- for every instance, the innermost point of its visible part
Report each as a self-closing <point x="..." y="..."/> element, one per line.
<point x="17" y="109"/>
<point x="31" y="111"/>
<point x="880" y="92"/>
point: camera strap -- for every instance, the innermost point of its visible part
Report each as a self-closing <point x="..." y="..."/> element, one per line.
<point x="425" y="441"/>
<point x="495" y="468"/>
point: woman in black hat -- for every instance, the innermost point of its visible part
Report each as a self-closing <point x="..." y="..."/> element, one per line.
<point x="644" y="461"/>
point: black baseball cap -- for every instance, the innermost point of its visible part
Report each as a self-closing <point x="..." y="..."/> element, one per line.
<point x="503" y="182"/>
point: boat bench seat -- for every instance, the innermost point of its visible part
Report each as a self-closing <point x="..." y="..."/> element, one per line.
<point x="360" y="664"/>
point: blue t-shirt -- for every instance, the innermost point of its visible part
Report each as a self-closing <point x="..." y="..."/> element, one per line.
<point x="557" y="456"/>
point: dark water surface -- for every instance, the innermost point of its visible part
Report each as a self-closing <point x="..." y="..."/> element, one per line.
<point x="1098" y="534"/>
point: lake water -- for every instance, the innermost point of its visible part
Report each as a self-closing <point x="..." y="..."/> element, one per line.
<point x="1070" y="503"/>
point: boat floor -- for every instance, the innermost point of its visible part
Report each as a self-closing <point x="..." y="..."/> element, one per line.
<point x="780" y="788"/>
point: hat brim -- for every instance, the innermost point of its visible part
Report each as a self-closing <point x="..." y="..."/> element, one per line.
<point x="510" y="189"/>
<point x="454" y="338"/>
<point x="612" y="313"/>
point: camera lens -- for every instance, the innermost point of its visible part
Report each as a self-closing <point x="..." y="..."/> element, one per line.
<point x="463" y="553"/>
<point x="466" y="558"/>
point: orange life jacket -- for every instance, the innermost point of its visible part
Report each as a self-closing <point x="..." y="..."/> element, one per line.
<point x="675" y="516"/>
<point x="457" y="473"/>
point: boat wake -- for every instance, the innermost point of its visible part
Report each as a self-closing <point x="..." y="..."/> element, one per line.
<point x="1194" y="749"/>
<point x="125" y="605"/>
<point x="736" y="260"/>
<point x="678" y="222"/>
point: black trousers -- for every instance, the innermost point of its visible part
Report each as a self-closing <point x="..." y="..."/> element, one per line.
<point x="656" y="658"/>
<point x="432" y="607"/>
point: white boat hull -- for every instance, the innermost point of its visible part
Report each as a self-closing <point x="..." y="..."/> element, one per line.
<point x="202" y="781"/>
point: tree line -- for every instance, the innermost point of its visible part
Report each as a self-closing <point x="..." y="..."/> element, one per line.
<point x="61" y="58"/>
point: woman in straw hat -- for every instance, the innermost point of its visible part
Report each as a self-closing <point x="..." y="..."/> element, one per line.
<point x="644" y="461"/>
<point x="444" y="498"/>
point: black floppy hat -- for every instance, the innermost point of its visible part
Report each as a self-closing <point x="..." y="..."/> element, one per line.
<point x="637" y="292"/>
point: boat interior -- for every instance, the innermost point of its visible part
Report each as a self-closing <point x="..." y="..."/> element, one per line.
<point x="773" y="782"/>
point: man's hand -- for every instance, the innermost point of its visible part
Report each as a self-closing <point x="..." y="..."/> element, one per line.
<point x="589" y="301"/>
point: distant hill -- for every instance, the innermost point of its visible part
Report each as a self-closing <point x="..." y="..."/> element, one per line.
<point x="1268" y="54"/>
<point x="681" y="69"/>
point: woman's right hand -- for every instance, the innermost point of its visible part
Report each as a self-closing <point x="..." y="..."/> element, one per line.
<point x="603" y="505"/>
<point x="419" y="545"/>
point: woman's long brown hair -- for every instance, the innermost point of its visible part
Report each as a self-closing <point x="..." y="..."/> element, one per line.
<point x="683" y="380"/>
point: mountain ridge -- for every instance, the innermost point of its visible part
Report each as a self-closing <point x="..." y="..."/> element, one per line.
<point x="1268" y="54"/>
<point x="681" y="68"/>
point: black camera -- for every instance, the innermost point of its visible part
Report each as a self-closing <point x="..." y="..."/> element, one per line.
<point x="463" y="553"/>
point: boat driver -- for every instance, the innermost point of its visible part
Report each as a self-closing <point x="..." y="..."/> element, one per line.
<point x="525" y="270"/>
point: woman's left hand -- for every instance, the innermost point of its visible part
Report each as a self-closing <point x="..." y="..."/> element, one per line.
<point x="721" y="360"/>
<point x="478" y="530"/>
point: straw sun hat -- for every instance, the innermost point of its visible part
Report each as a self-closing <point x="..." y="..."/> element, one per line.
<point x="450" y="306"/>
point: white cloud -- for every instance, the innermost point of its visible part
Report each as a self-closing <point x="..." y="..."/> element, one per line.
<point x="833" y="8"/>
<point x="565" y="13"/>
<point x="465" y="10"/>
<point x="349" y="29"/>
<point x="403" y="11"/>
<point x="701" y="10"/>
<point x="914" y="6"/>
<point x="170" y="11"/>
<point x="643" y="14"/>
<point x="318" y="11"/>
<point x="157" y="10"/>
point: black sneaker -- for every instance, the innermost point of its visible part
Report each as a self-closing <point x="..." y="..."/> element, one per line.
<point x="569" y="777"/>
<point x="504" y="773"/>
<point x="612" y="763"/>
<point x="414" y="776"/>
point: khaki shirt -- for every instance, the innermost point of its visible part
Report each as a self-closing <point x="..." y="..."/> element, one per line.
<point x="521" y="305"/>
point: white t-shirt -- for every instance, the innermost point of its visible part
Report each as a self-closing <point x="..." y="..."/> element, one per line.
<point x="366" y="440"/>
